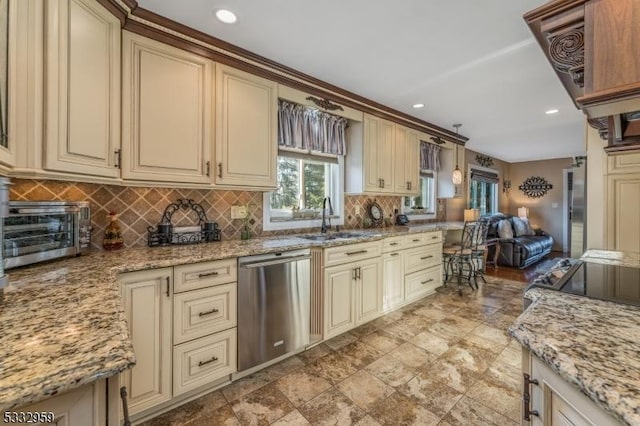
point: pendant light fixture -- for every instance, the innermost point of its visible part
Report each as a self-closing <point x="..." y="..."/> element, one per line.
<point x="457" y="174"/>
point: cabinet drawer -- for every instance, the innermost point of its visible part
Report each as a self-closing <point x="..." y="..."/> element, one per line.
<point x="204" y="274"/>
<point x="393" y="243"/>
<point x="203" y="361"/>
<point x="422" y="283"/>
<point x="351" y="253"/>
<point x="423" y="257"/>
<point x="201" y="312"/>
<point x="624" y="163"/>
<point x="422" y="239"/>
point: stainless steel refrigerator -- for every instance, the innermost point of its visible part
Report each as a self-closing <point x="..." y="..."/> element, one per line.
<point x="578" y="207"/>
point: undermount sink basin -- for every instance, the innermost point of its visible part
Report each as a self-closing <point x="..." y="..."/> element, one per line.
<point x="335" y="236"/>
<point x="321" y="237"/>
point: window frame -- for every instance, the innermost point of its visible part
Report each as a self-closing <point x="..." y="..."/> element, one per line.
<point x="336" y="194"/>
<point x="495" y="202"/>
<point x="424" y="216"/>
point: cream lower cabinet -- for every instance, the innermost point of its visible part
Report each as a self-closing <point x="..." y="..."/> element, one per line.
<point x="82" y="88"/>
<point x="246" y="130"/>
<point x="84" y="406"/>
<point x="412" y="268"/>
<point x="556" y="402"/>
<point x="147" y="298"/>
<point x="182" y="322"/>
<point x="167" y="112"/>
<point x="352" y="288"/>
<point x="205" y="320"/>
<point x="393" y="273"/>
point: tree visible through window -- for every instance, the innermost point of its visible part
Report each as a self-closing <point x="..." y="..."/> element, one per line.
<point x="302" y="186"/>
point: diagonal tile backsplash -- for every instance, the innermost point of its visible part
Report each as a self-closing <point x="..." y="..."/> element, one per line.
<point x="141" y="207"/>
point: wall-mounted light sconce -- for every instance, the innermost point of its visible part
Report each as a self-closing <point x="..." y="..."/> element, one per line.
<point x="506" y="186"/>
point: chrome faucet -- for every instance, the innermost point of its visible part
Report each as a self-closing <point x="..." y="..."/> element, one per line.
<point x="326" y="221"/>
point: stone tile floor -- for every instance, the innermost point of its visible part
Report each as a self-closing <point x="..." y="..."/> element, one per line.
<point x="444" y="360"/>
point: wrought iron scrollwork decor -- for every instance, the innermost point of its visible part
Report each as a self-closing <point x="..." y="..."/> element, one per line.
<point x="165" y="235"/>
<point x="567" y="53"/>
<point x="535" y="187"/>
<point x="484" y="160"/>
<point x="325" y="103"/>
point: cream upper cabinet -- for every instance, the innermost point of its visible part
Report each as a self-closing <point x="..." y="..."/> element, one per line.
<point x="370" y="157"/>
<point x="623" y="221"/>
<point x="246" y="130"/>
<point x="82" y="88"/>
<point x="147" y="299"/>
<point x="407" y="159"/>
<point x="167" y="112"/>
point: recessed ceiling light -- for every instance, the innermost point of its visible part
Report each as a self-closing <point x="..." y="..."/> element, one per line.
<point x="551" y="111"/>
<point x="418" y="106"/>
<point x="226" y="16"/>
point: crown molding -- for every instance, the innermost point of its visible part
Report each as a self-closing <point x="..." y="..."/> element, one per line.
<point x="149" y="24"/>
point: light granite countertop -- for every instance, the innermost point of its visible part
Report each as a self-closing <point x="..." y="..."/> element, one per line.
<point x="592" y="344"/>
<point x="62" y="324"/>
<point x="611" y="257"/>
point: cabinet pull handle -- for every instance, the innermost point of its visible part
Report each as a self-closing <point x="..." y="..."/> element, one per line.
<point x="427" y="281"/>
<point x="118" y="154"/>
<point x="415" y="240"/>
<point x="351" y="253"/>
<point x="213" y="311"/>
<point x="207" y="274"/>
<point x="435" y="237"/>
<point x="168" y="286"/>
<point x="359" y="271"/>
<point x="201" y="363"/>
<point x="393" y="244"/>
<point x="125" y="406"/>
<point x="526" y="397"/>
<point x="395" y="254"/>
<point x="383" y="183"/>
<point x="219" y="170"/>
<point x="426" y="257"/>
<point x="408" y="185"/>
<point x="380" y="183"/>
<point x="355" y="274"/>
<point x="208" y="168"/>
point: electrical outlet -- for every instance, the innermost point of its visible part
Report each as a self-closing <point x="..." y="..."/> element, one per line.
<point x="358" y="209"/>
<point x="238" y="212"/>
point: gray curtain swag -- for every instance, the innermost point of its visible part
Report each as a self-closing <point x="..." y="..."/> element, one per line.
<point x="308" y="129"/>
<point x="429" y="156"/>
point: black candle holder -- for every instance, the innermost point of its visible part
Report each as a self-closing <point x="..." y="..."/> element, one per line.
<point x="165" y="233"/>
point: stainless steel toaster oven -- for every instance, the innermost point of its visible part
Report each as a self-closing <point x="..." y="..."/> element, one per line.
<point x="36" y="231"/>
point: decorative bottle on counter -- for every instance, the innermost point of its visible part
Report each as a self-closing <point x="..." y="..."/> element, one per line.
<point x="112" y="234"/>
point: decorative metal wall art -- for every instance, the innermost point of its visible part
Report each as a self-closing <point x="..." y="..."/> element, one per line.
<point x="506" y="186"/>
<point x="437" y="140"/>
<point x="325" y="103"/>
<point x="165" y="233"/>
<point x="535" y="187"/>
<point x="484" y="160"/>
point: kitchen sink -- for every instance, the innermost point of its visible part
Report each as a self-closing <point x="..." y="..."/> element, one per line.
<point x="321" y="237"/>
<point x="335" y="236"/>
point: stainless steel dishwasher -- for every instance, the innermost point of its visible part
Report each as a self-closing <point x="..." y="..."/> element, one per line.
<point x="273" y="306"/>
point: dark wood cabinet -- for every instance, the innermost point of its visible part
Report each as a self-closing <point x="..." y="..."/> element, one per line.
<point x="594" y="48"/>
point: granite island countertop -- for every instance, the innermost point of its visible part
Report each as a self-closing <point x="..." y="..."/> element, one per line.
<point x="62" y="324"/>
<point x="590" y="343"/>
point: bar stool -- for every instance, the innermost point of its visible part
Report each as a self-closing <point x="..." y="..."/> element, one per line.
<point x="459" y="258"/>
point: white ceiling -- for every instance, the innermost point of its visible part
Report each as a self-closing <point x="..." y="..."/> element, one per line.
<point x="468" y="61"/>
